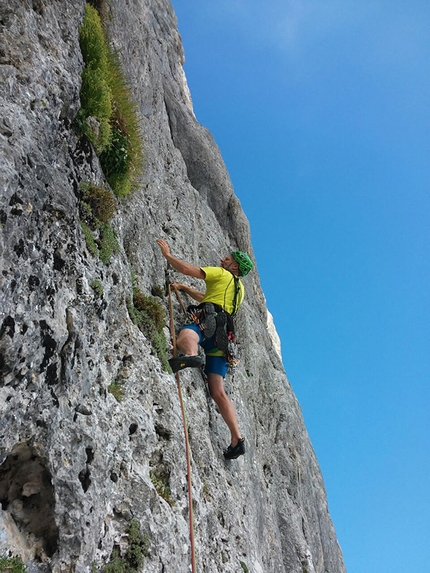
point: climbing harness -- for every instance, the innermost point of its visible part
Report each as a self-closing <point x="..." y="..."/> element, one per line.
<point x="184" y="420"/>
<point x="212" y="320"/>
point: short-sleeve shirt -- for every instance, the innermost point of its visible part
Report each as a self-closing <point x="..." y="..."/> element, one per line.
<point x="220" y="288"/>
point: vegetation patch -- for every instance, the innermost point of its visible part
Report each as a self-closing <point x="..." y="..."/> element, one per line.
<point x="96" y="96"/>
<point x="12" y="565"/>
<point x="99" y="201"/>
<point x="148" y="314"/>
<point x="134" y="557"/>
<point x="108" y="242"/>
<point x="160" y="481"/>
<point x="244" y="567"/>
<point x="150" y="307"/>
<point x="89" y="240"/>
<point x="108" y="115"/>
<point x="117" y="390"/>
<point x="97" y="207"/>
<point x="97" y="287"/>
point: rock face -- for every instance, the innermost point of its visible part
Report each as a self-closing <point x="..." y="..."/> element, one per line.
<point x="76" y="465"/>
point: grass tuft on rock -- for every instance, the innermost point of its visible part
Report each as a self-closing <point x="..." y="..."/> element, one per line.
<point x="148" y="314"/>
<point x="89" y="239"/>
<point x="162" y="486"/>
<point x="97" y="287"/>
<point x="108" y="115"/>
<point x="102" y="201"/>
<point x="96" y="96"/>
<point x="117" y="390"/>
<point x="134" y="556"/>
<point x="109" y="245"/>
<point x="12" y="565"/>
<point x="97" y="207"/>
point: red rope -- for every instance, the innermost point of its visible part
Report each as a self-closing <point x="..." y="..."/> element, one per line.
<point x="187" y="445"/>
<point x="179" y="299"/>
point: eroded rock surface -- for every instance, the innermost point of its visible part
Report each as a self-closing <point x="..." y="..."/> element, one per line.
<point x="76" y="465"/>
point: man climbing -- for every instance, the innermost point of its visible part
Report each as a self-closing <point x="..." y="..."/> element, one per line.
<point x="209" y="328"/>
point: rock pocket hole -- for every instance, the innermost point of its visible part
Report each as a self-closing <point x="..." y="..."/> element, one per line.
<point x="27" y="494"/>
<point x="90" y="454"/>
<point x="85" y="479"/>
<point x="132" y="429"/>
<point x="85" y="474"/>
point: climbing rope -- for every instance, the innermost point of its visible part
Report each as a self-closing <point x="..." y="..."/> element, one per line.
<point x="184" y="420"/>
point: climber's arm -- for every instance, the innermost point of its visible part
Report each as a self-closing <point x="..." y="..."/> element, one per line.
<point x="178" y="264"/>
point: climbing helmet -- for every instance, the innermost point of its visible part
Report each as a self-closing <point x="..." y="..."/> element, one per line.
<point x="244" y="262"/>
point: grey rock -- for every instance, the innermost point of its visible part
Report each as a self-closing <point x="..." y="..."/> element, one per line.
<point x="75" y="464"/>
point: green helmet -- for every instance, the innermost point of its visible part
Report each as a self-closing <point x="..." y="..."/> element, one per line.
<point x="244" y="262"/>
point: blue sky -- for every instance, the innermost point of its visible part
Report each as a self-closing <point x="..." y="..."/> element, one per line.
<point x="322" y="114"/>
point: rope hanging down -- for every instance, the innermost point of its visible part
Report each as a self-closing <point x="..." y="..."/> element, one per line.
<point x="187" y="445"/>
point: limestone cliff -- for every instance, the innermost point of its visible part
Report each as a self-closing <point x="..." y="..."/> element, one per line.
<point x="76" y="464"/>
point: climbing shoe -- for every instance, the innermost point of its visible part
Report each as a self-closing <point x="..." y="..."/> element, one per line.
<point x="181" y="362"/>
<point x="233" y="452"/>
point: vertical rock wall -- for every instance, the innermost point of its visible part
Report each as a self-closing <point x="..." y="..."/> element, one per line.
<point x="76" y="465"/>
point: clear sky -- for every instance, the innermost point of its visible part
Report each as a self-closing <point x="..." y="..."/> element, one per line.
<point x="322" y="114"/>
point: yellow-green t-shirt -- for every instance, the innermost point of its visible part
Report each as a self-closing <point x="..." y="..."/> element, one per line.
<point x="220" y="287"/>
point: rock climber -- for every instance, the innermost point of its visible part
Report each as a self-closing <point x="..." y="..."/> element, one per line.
<point x="209" y="328"/>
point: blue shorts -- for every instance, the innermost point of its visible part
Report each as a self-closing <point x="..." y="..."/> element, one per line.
<point x="214" y="364"/>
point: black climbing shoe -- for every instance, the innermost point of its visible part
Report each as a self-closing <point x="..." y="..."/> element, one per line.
<point x="231" y="453"/>
<point x="180" y="362"/>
